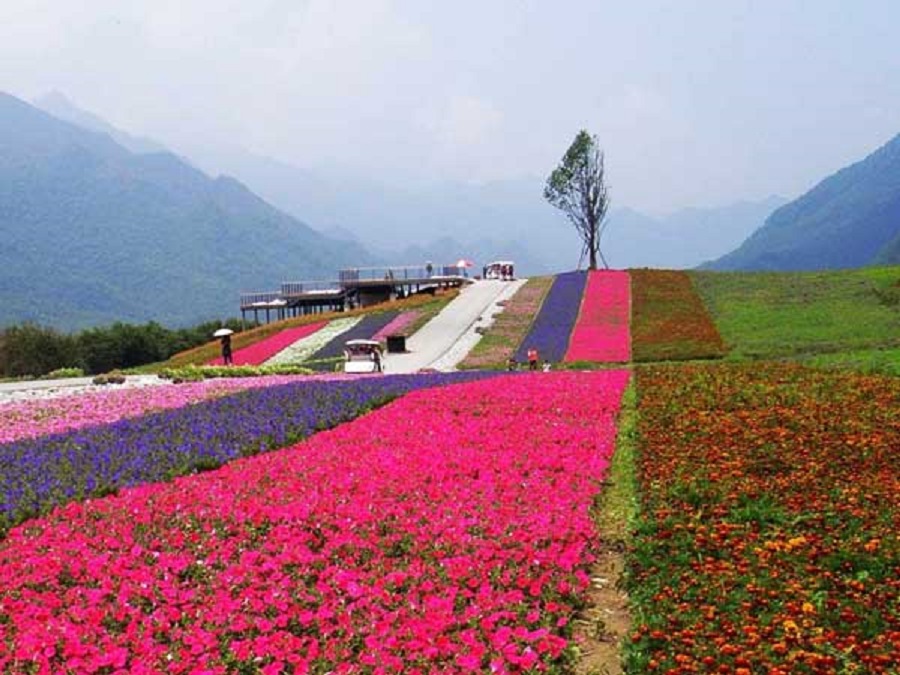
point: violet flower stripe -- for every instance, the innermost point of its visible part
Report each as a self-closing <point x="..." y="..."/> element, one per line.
<point x="552" y="326"/>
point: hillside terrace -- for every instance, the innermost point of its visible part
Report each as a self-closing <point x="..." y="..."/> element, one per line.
<point x="355" y="287"/>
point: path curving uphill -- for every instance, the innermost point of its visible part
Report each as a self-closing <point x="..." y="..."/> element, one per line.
<point x="436" y="344"/>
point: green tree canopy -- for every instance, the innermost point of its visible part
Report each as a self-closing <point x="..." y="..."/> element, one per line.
<point x="577" y="188"/>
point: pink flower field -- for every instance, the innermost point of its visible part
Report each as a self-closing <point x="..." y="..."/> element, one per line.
<point x="601" y="333"/>
<point x="449" y="531"/>
<point x="398" y="325"/>
<point x="39" y="417"/>
<point x="259" y="352"/>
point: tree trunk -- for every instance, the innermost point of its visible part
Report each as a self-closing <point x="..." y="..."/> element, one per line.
<point x="592" y="246"/>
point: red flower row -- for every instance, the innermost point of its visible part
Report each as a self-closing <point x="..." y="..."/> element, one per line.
<point x="447" y="531"/>
<point x="669" y="319"/>
<point x="260" y="352"/>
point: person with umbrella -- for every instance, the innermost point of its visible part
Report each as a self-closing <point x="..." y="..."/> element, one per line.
<point x="224" y="334"/>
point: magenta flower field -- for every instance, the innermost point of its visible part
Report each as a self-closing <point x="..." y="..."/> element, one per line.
<point x="449" y="531"/>
<point x="601" y="333"/>
<point x="259" y="352"/>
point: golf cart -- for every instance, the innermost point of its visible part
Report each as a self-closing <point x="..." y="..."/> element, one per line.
<point x="363" y="356"/>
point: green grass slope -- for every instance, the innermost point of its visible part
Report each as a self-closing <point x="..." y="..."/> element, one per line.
<point x="847" y="317"/>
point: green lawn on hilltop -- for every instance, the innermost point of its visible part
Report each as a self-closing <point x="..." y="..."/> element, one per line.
<point x="835" y="318"/>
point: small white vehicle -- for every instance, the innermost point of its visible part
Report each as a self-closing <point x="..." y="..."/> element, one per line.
<point x="363" y="356"/>
<point x="503" y="270"/>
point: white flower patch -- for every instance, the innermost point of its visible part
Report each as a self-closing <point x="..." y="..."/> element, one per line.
<point x="302" y="349"/>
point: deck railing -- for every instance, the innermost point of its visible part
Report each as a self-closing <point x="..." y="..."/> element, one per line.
<point x="261" y="300"/>
<point x="398" y="274"/>
<point x="294" y="288"/>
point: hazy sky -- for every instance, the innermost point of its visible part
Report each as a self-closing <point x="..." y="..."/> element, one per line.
<point x="696" y="102"/>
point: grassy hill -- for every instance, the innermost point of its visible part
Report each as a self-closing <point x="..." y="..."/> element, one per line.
<point x="848" y="317"/>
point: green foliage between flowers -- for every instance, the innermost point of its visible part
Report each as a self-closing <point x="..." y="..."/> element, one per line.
<point x="61" y="373"/>
<point x="197" y="373"/>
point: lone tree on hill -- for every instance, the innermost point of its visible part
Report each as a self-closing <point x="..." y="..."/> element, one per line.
<point x="576" y="187"/>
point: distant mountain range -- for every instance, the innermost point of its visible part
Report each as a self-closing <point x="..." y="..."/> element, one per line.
<point x="685" y="238"/>
<point x="850" y="219"/>
<point x="446" y="221"/>
<point x="509" y="218"/>
<point x="94" y="233"/>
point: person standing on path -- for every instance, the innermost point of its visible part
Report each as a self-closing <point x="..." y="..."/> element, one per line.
<point x="532" y="359"/>
<point x="226" y="351"/>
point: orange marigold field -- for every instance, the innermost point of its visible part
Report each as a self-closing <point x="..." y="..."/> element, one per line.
<point x="669" y="320"/>
<point x="510" y="326"/>
<point x="770" y="510"/>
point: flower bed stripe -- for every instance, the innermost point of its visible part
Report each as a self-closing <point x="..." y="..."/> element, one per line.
<point x="41" y="417"/>
<point x="448" y="532"/>
<point x="669" y="319"/>
<point x="397" y="326"/>
<point x="601" y="333"/>
<point x="510" y="326"/>
<point x="257" y="353"/>
<point x="37" y="474"/>
<point x="770" y="507"/>
<point x="553" y="325"/>
<point x="301" y="350"/>
<point x="323" y="359"/>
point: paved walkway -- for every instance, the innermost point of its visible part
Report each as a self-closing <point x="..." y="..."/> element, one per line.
<point x="433" y="345"/>
<point x="28" y="389"/>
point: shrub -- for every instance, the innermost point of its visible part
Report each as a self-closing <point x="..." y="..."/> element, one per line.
<point x="61" y="373"/>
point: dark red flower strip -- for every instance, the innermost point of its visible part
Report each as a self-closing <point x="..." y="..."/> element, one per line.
<point x="601" y="333"/>
<point x="770" y="504"/>
<point x="669" y="320"/>
<point x="259" y="352"/>
<point x="447" y="532"/>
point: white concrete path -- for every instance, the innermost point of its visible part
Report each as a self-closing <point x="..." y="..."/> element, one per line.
<point x="434" y="345"/>
<point x="23" y="390"/>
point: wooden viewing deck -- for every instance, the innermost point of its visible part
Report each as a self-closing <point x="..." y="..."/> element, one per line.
<point x="356" y="287"/>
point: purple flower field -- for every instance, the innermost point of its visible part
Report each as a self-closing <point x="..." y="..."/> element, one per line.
<point x="553" y="325"/>
<point x="40" y="473"/>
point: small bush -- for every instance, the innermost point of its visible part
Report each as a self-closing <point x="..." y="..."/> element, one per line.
<point x="197" y="373"/>
<point x="61" y="373"/>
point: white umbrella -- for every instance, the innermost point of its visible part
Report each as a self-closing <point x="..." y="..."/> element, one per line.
<point x="462" y="262"/>
<point x="222" y="332"/>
